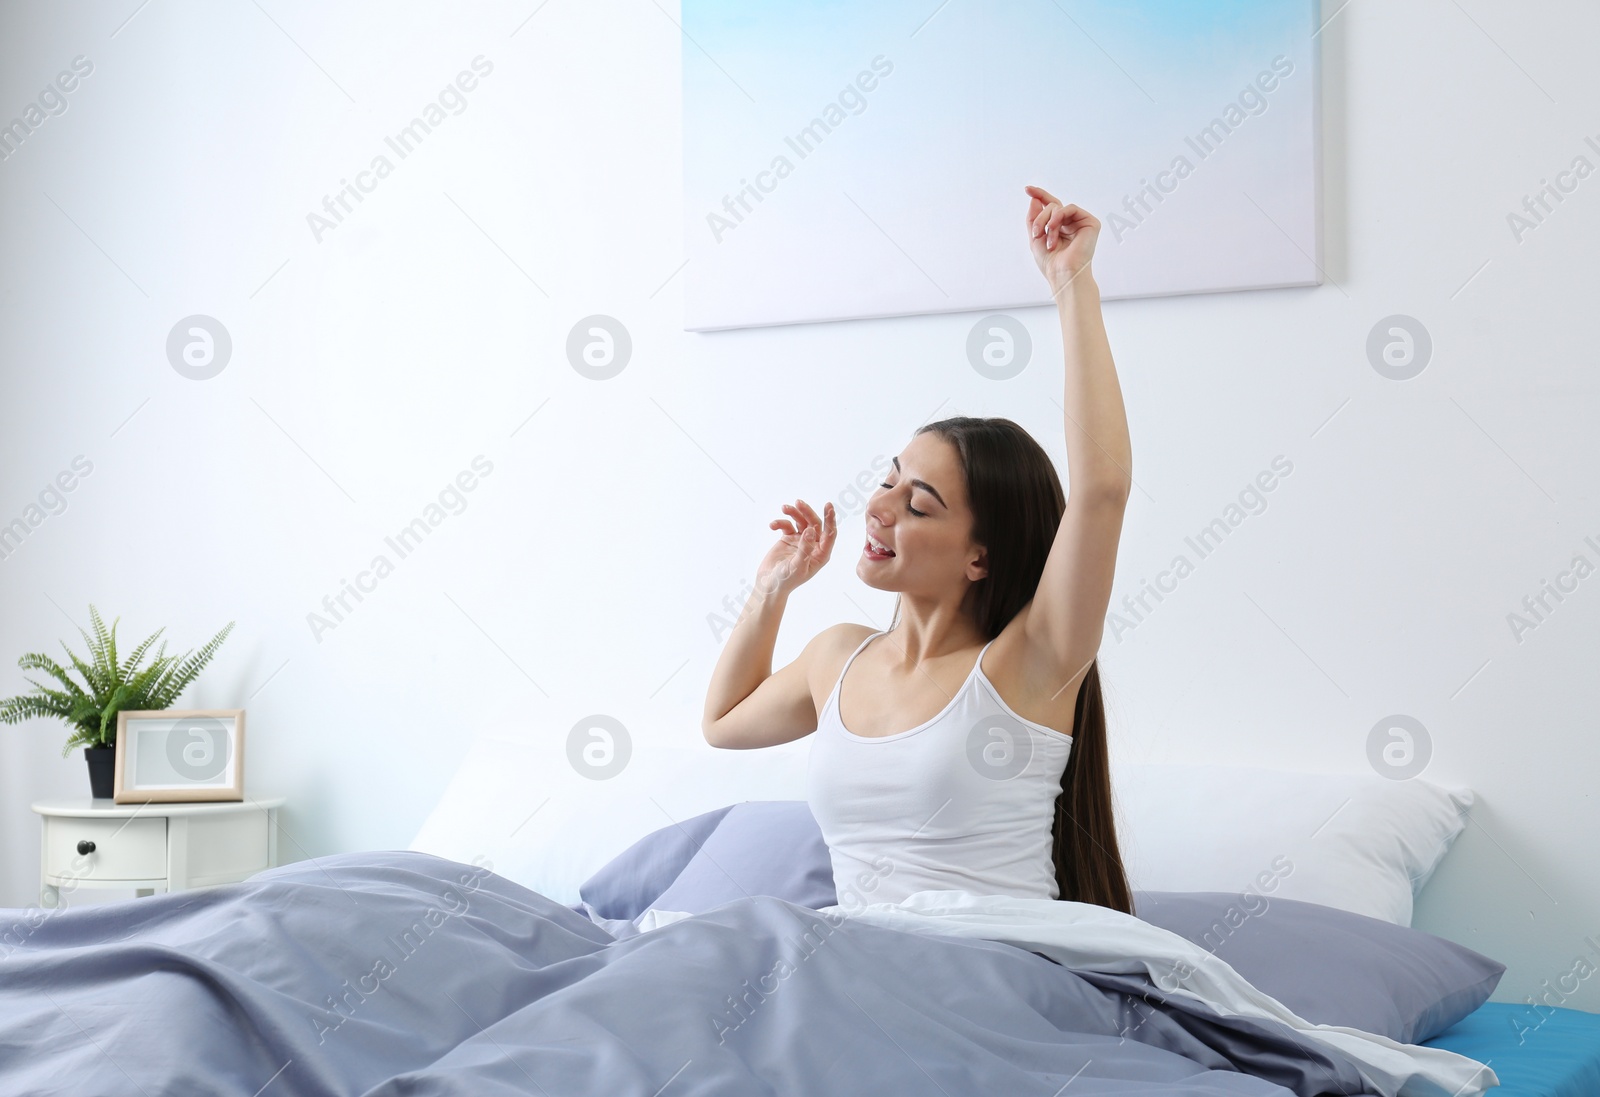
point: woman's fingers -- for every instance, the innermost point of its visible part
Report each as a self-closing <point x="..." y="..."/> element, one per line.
<point x="1072" y="218"/>
<point x="826" y="532"/>
<point x="815" y="532"/>
<point x="1048" y="216"/>
<point x="1080" y="218"/>
<point x="814" y="524"/>
<point x="1056" y="222"/>
<point x="800" y="520"/>
<point x="1054" y="228"/>
<point x="1040" y="211"/>
<point x="1050" y="221"/>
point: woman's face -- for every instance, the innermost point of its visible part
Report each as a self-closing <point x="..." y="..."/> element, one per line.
<point x="921" y="513"/>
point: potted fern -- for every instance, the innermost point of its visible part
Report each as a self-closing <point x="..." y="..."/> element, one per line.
<point x="109" y="686"/>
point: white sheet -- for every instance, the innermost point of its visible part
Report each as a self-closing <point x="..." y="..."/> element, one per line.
<point x="1083" y="935"/>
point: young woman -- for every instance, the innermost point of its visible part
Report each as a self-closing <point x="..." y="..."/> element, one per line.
<point x="967" y="749"/>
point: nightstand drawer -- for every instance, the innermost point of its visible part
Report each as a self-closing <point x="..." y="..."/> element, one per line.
<point x="124" y="849"/>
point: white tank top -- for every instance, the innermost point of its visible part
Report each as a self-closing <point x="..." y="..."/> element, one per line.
<point x="964" y="801"/>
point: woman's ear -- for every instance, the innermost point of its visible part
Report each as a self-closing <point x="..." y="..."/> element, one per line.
<point x="979" y="568"/>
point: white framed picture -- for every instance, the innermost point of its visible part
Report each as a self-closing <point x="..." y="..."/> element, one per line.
<point x="179" y="755"/>
<point x="845" y="161"/>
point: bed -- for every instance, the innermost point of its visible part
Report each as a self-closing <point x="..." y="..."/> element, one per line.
<point x="715" y="955"/>
<point x="1560" y="1057"/>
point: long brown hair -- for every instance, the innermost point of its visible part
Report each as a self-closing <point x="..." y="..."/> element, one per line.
<point x="1017" y="503"/>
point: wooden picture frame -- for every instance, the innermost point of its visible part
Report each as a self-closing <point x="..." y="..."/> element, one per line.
<point x="180" y="756"/>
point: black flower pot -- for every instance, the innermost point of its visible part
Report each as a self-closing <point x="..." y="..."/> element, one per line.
<point x="102" y="771"/>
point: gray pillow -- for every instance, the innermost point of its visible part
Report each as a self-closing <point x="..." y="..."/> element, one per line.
<point x="760" y="847"/>
<point x="1329" y="966"/>
<point x="630" y="882"/>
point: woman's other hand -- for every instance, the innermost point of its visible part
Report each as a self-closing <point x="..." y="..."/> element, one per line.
<point x="803" y="547"/>
<point x="1061" y="236"/>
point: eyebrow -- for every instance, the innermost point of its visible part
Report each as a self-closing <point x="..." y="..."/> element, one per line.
<point x="925" y="486"/>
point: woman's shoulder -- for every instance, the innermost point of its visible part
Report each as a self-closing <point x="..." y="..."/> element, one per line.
<point x="836" y="643"/>
<point x="828" y="652"/>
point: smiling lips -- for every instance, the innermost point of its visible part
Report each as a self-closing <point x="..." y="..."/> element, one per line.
<point x="876" y="549"/>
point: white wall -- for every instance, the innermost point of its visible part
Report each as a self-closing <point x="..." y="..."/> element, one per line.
<point x="369" y="369"/>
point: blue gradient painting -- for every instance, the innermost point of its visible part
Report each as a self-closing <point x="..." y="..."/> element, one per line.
<point x="847" y="160"/>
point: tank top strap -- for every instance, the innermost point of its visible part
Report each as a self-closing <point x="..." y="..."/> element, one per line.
<point x="833" y="698"/>
<point x="859" y="648"/>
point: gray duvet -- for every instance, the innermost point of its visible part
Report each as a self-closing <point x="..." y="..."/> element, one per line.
<point x="402" y="973"/>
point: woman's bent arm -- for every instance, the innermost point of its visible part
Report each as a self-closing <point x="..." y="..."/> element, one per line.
<point x="747" y="705"/>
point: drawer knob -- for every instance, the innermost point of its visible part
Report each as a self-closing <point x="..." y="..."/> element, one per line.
<point x="85" y="847"/>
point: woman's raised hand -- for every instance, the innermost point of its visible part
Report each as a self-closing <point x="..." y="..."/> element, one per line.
<point x="803" y="547"/>
<point x="1062" y="236"/>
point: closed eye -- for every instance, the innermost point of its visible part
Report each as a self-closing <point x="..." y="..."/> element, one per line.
<point x="909" y="507"/>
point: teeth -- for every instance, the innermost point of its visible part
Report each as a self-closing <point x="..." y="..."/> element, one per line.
<point x="878" y="545"/>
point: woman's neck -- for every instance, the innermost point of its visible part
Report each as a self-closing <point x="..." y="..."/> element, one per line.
<point x="928" y="631"/>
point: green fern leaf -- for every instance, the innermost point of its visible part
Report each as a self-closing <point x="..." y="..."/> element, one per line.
<point x="90" y="669"/>
<point x="104" y="651"/>
<point x="14" y="710"/>
<point x="78" y="738"/>
<point x="86" y="715"/>
<point x="131" y="664"/>
<point x="36" y="661"/>
<point x="190" y="668"/>
<point x="139" y="685"/>
<point x="108" y="715"/>
<point x="59" y="698"/>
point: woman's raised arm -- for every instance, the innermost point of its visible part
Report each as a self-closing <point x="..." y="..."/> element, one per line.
<point x="1067" y="615"/>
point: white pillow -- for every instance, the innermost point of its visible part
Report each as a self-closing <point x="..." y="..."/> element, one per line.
<point x="1358" y="842"/>
<point x="521" y="805"/>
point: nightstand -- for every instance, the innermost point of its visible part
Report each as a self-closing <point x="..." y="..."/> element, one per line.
<point x="171" y="847"/>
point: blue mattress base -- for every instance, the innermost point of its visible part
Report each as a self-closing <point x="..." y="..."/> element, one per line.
<point x="1536" y="1051"/>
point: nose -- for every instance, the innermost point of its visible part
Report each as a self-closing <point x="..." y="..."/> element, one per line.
<point x="878" y="510"/>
